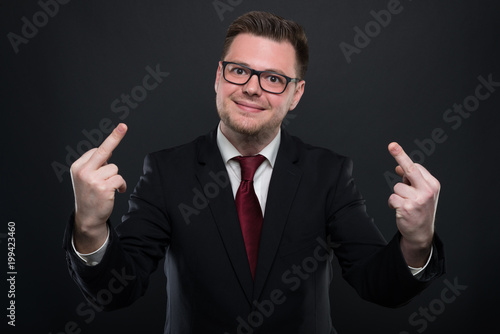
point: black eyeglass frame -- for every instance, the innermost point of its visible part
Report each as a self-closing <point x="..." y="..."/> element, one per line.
<point x="258" y="73"/>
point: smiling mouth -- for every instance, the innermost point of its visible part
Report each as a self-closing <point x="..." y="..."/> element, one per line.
<point x="248" y="106"/>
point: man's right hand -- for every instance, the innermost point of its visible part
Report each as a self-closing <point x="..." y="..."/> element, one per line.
<point x="94" y="184"/>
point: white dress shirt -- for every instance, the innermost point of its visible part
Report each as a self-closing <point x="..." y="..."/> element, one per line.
<point x="262" y="176"/>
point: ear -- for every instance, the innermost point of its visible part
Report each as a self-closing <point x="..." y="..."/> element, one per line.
<point x="218" y="76"/>
<point x="299" y="91"/>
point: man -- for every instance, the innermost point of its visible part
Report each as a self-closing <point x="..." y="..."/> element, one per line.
<point x="247" y="216"/>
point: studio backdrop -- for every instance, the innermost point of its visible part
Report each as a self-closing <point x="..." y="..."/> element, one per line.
<point x="423" y="73"/>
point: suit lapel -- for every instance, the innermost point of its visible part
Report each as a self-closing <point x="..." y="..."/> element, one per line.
<point x="224" y="211"/>
<point x="282" y="189"/>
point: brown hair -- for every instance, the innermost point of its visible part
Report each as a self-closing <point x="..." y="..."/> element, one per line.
<point x="273" y="27"/>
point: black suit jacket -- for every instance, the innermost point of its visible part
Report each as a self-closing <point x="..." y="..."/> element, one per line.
<point x="183" y="209"/>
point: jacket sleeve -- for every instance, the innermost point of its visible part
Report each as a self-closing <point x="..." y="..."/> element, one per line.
<point x="376" y="270"/>
<point x="134" y="248"/>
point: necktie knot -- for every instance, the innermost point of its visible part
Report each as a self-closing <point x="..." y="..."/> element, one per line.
<point x="249" y="165"/>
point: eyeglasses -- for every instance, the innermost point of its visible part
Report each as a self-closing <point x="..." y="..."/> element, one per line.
<point x="269" y="81"/>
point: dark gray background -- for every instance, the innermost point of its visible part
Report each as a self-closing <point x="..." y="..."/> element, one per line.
<point x="397" y="88"/>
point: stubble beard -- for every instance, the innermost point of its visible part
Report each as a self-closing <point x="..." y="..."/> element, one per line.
<point x="249" y="127"/>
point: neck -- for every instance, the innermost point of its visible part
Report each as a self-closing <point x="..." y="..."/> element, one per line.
<point x="248" y="144"/>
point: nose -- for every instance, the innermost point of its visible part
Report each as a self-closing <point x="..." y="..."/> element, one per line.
<point x="252" y="87"/>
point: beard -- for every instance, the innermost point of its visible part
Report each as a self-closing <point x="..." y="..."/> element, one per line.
<point x="246" y="124"/>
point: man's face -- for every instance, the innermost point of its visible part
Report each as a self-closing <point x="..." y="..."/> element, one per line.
<point x="247" y="109"/>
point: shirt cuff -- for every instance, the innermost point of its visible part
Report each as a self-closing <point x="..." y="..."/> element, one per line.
<point x="92" y="259"/>
<point x="417" y="271"/>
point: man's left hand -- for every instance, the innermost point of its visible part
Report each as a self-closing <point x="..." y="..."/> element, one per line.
<point x="415" y="201"/>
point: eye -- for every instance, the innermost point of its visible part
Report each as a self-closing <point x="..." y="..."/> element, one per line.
<point x="238" y="70"/>
<point x="274" y="78"/>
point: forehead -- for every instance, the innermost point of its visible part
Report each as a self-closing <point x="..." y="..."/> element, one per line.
<point x="262" y="53"/>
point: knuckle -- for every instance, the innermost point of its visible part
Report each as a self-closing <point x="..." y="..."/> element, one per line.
<point x="391" y="199"/>
<point x="420" y="201"/>
<point x="93" y="180"/>
<point x="80" y="173"/>
<point x="410" y="169"/>
<point x="100" y="187"/>
<point x="114" y="168"/>
<point x="430" y="192"/>
<point x="408" y="206"/>
<point x="397" y="187"/>
<point x="424" y="197"/>
<point x="114" y="181"/>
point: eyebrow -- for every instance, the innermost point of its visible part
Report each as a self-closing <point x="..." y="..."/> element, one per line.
<point x="267" y="70"/>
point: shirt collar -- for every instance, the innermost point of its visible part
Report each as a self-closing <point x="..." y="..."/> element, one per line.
<point x="228" y="151"/>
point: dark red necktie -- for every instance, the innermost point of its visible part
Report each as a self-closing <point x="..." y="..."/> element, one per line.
<point x="249" y="210"/>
